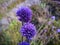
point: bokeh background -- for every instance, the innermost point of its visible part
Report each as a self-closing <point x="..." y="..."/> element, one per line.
<point x="46" y="18"/>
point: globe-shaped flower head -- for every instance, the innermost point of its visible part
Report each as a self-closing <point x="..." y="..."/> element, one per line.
<point x="23" y="43"/>
<point x="28" y="30"/>
<point x="24" y="14"/>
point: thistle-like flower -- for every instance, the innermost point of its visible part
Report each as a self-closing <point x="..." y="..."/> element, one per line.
<point x="28" y="30"/>
<point x="23" y="43"/>
<point x="24" y="14"/>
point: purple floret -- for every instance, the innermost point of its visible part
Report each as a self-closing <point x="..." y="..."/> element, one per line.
<point x="28" y="30"/>
<point x="25" y="14"/>
<point x="23" y="43"/>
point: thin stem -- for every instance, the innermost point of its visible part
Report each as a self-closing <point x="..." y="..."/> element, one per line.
<point x="22" y="36"/>
<point x="27" y="40"/>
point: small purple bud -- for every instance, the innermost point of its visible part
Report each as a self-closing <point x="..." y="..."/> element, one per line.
<point x="53" y="17"/>
<point x="58" y="30"/>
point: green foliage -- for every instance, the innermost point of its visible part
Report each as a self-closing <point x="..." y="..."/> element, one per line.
<point x="1" y="1"/>
<point x="42" y="5"/>
<point x="57" y="23"/>
<point x="1" y="16"/>
<point x="38" y="42"/>
<point x="12" y="35"/>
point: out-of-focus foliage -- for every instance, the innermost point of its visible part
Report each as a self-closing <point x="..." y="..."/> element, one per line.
<point x="12" y="36"/>
<point x="42" y="5"/>
<point x="1" y="16"/>
<point x="57" y="23"/>
<point x="14" y="4"/>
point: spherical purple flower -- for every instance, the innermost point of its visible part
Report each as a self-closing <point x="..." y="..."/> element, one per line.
<point x="24" y="14"/>
<point x="23" y="43"/>
<point x="28" y="30"/>
<point x="58" y="30"/>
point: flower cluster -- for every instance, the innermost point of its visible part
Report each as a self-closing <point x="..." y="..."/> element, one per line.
<point x="24" y="14"/>
<point x="23" y="43"/>
<point x="28" y="30"/>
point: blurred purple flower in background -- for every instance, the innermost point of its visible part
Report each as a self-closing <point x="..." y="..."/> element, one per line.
<point x="28" y="30"/>
<point x="53" y="17"/>
<point x="49" y="23"/>
<point x="25" y="14"/>
<point x="58" y="30"/>
<point x="56" y="0"/>
<point x="23" y="43"/>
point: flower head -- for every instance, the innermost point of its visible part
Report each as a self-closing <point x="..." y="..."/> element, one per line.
<point x="24" y="14"/>
<point x="23" y="43"/>
<point x="28" y="30"/>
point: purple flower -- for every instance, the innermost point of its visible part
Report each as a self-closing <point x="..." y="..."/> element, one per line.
<point x="53" y="17"/>
<point x="23" y="43"/>
<point x="28" y="30"/>
<point x="24" y="14"/>
<point x="58" y="30"/>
